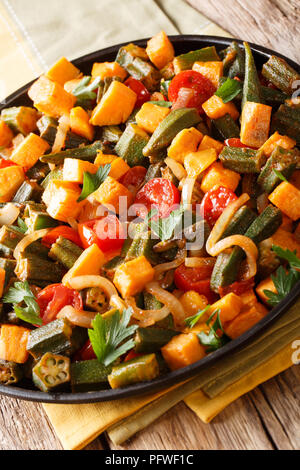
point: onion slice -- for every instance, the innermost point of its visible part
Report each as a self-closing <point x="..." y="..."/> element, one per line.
<point x="169" y="300"/>
<point x="162" y="268"/>
<point x="176" y="168"/>
<point x="61" y="134"/>
<point x="198" y="262"/>
<point x="28" y="239"/>
<point x="77" y="317"/>
<point x="83" y="282"/>
<point x="146" y="318"/>
<point x="223" y="222"/>
<point x="246" y="244"/>
<point x="187" y="190"/>
<point x="9" y="214"/>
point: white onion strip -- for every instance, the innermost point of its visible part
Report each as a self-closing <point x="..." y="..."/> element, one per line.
<point x="77" y="317"/>
<point x="62" y="130"/>
<point x="223" y="222"/>
<point x="162" y="268"/>
<point x="28" y="239"/>
<point x="86" y="281"/>
<point x="9" y="214"/>
<point x="146" y="318"/>
<point x="176" y="168"/>
<point x="169" y="300"/>
<point x="187" y="190"/>
<point x="198" y="262"/>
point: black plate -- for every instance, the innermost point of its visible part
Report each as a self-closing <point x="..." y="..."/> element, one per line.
<point x="182" y="43"/>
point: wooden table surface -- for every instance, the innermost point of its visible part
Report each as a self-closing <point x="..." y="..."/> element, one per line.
<point x="269" y="416"/>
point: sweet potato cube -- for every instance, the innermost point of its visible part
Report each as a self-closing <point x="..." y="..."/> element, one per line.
<point x="150" y="116"/>
<point x="210" y="143"/>
<point x="195" y="163"/>
<point x="72" y="84"/>
<point x="245" y="320"/>
<point x="108" y="69"/>
<point x="63" y="71"/>
<point x="160" y="50"/>
<point x="89" y="262"/>
<point x="61" y="198"/>
<point x="266" y="284"/>
<point x="276" y="139"/>
<point x="211" y="70"/>
<point x="29" y="151"/>
<point x="131" y="277"/>
<point x="286" y="240"/>
<point x="2" y="280"/>
<point x="186" y="141"/>
<point x="74" y="169"/>
<point x="51" y="98"/>
<point x="104" y="159"/>
<point x="118" y="168"/>
<point x="215" y="108"/>
<point x="216" y="175"/>
<point x="13" y="343"/>
<point x="287" y="198"/>
<point x="11" y="179"/>
<point x="255" y="124"/>
<point x="230" y="306"/>
<point x="111" y="194"/>
<point x="115" y="106"/>
<point x="6" y="134"/>
<point x="80" y="123"/>
<point x="192" y="302"/>
<point x="183" y="350"/>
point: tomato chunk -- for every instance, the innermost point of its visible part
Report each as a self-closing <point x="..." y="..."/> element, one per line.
<point x="214" y="203"/>
<point x="141" y="91"/>
<point x="196" y="279"/>
<point x="190" y="79"/>
<point x="53" y="298"/>
<point x="134" y="177"/>
<point x="107" y="232"/>
<point x="235" y="142"/>
<point x="238" y="287"/>
<point x="62" y="231"/>
<point x="85" y="353"/>
<point x="5" y="163"/>
<point x="160" y="194"/>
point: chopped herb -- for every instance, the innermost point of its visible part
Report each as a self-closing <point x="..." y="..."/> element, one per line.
<point x="85" y="91"/>
<point x="91" y="182"/>
<point x="288" y="255"/>
<point x="211" y="340"/>
<point x="283" y="282"/>
<point x="108" y="335"/>
<point x="280" y="175"/>
<point x="22" y="226"/>
<point x="165" y="228"/>
<point x="20" y="293"/>
<point x="192" y="321"/>
<point x="229" y="90"/>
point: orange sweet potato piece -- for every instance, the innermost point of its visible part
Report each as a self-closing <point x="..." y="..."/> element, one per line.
<point x="6" y="134"/>
<point x="245" y="320"/>
<point x="108" y="69"/>
<point x="210" y="143"/>
<point x="215" y="108"/>
<point x="255" y="124"/>
<point x="211" y="70"/>
<point x="186" y="141"/>
<point x="13" y="343"/>
<point x="160" y="50"/>
<point x="183" y="350"/>
<point x="216" y="175"/>
<point x="150" y="116"/>
<point x="29" y="151"/>
<point x="266" y="284"/>
<point x="287" y="198"/>
<point x="63" y="71"/>
<point x="276" y="139"/>
<point x="80" y="123"/>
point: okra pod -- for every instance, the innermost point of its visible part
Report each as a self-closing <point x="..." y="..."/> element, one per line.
<point x="65" y="251"/>
<point x="242" y="160"/>
<point x="284" y="161"/>
<point x="150" y="340"/>
<point x="95" y="299"/>
<point x="272" y="96"/>
<point x="87" y="153"/>
<point x="251" y="90"/>
<point x="9" y="237"/>
<point x="31" y="267"/>
<point x="111" y="134"/>
<point x="56" y="174"/>
<point x="137" y="370"/>
<point x="226" y="127"/>
<point x="10" y="372"/>
<point x="89" y="375"/>
<point x="187" y="60"/>
<point x="281" y="74"/>
<point x="28" y="191"/>
<point x="55" y="337"/>
<point x="51" y="373"/>
<point x="48" y="129"/>
<point x="9" y="266"/>
<point x="287" y="122"/>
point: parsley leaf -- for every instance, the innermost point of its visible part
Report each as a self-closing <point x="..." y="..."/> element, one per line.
<point x="91" y="182"/>
<point x="20" y="293"/>
<point x="280" y="175"/>
<point x="22" y="227"/>
<point x="84" y="91"/>
<point x="164" y="228"/>
<point x="288" y="255"/>
<point x="229" y="90"/>
<point x="192" y="321"/>
<point x="108" y="334"/>
<point x="211" y="340"/>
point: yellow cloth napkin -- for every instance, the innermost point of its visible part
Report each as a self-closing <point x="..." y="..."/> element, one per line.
<point x="33" y="34"/>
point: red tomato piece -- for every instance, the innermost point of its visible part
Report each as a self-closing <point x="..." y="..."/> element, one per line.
<point x="5" y="163"/>
<point x="214" y="203"/>
<point x="141" y="91"/>
<point x="107" y="232"/>
<point x="196" y="279"/>
<point x="61" y="231"/>
<point x="132" y="355"/>
<point x="134" y="177"/>
<point x="238" y="287"/>
<point x="202" y="87"/>
<point x="160" y="194"/>
<point x="85" y="353"/>
<point x="235" y="142"/>
<point x="53" y="298"/>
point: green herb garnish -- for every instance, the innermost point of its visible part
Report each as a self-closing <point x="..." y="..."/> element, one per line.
<point x="164" y="228"/>
<point x="280" y="175"/>
<point x="211" y="340"/>
<point x="22" y="227"/>
<point x="229" y="90"/>
<point x="21" y="293"/>
<point x="84" y="91"/>
<point x="91" y="182"/>
<point x="192" y="321"/>
<point x="108" y="335"/>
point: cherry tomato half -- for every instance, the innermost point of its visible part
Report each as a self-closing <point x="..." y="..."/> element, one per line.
<point x="141" y="91"/>
<point x="214" y="203"/>
<point x="132" y="355"/>
<point x="53" y="298"/>
<point x="85" y="353"/>
<point x="203" y="88"/>
<point x="238" y="287"/>
<point x="134" y="177"/>
<point x="196" y="279"/>
<point x="107" y="232"/>
<point x="61" y="231"/>
<point x="160" y="194"/>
